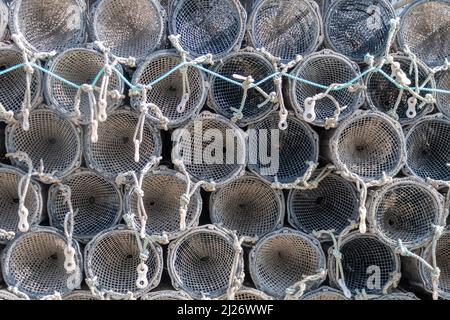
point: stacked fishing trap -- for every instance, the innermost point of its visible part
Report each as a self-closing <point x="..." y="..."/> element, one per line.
<point x="224" y="150"/>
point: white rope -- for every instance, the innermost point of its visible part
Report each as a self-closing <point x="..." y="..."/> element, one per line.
<point x="236" y="279"/>
<point x="296" y="291"/>
<point x="69" y="251"/>
<point x="55" y="296"/>
<point x="303" y="182"/>
<point x="15" y="290"/>
<point x="7" y="116"/>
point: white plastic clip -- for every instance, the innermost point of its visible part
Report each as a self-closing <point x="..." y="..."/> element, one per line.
<point x="411" y="113"/>
<point x="310" y="114"/>
<point x="142" y="281"/>
<point x="69" y="261"/>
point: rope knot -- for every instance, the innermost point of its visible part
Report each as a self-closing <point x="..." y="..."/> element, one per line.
<point x="337" y="254"/>
<point x="185" y="200"/>
<point x="209" y="186"/>
<point x="28" y="68"/>
<point x="87" y="88"/>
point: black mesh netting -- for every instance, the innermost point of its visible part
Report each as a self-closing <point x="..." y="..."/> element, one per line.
<point x="443" y="100"/>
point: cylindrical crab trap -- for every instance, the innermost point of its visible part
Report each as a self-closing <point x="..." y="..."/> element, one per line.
<point x="424" y="28"/>
<point x="406" y="210"/>
<point x="369" y="144"/>
<point x="249" y="206"/>
<point x="314" y="105"/>
<point x="179" y="99"/>
<point x="80" y="66"/>
<point x="53" y="144"/>
<point x="283" y="156"/>
<point x="250" y="294"/>
<point x="115" y="150"/>
<point x="167" y="295"/>
<point x="241" y="105"/>
<point x="384" y="96"/>
<point x="163" y="190"/>
<point x="356" y="28"/>
<point x="211" y="148"/>
<point x="4" y="17"/>
<point x="112" y="259"/>
<point x="208" y="26"/>
<point x="428" y="149"/>
<point x="330" y="206"/>
<point x="286" y="28"/>
<point x="398" y="296"/>
<point x="130" y="28"/>
<point x="443" y="100"/>
<point x="324" y="293"/>
<point x="49" y="25"/>
<point x="14" y="83"/>
<point x="367" y="263"/>
<point x="10" y="199"/>
<point x="79" y="295"/>
<point x="96" y="200"/>
<point x="205" y="261"/>
<point x="35" y="263"/>
<point x="283" y="258"/>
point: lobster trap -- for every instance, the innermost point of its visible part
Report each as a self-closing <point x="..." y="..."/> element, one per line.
<point x="179" y="99"/>
<point x="425" y="29"/>
<point x="443" y="100"/>
<point x="80" y="66"/>
<point x="406" y="209"/>
<point x="324" y="293"/>
<point x="112" y="264"/>
<point x="249" y="206"/>
<point x="368" y="144"/>
<point x="365" y="263"/>
<point x="211" y="148"/>
<point x="80" y="295"/>
<point x="286" y="28"/>
<point x="211" y="26"/>
<point x="250" y="294"/>
<point x="48" y="25"/>
<point x="325" y="108"/>
<point x="428" y="149"/>
<point x="35" y="264"/>
<point x="11" y="198"/>
<point x="355" y="28"/>
<point x="115" y="150"/>
<point x="330" y="206"/>
<point x="293" y="151"/>
<point x="283" y="259"/>
<point x="206" y="262"/>
<point x="14" y="83"/>
<point x="398" y="296"/>
<point x="129" y="28"/>
<point x="96" y="200"/>
<point x="163" y="190"/>
<point x="242" y="105"/>
<point x="52" y="143"/>
<point x="4" y="17"/>
<point x="167" y="295"/>
<point x="384" y="96"/>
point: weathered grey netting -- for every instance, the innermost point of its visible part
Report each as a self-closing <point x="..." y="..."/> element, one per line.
<point x="425" y="30"/>
<point x="80" y="295"/>
<point x="114" y="152"/>
<point x="249" y="206"/>
<point x="286" y="28"/>
<point x="203" y="261"/>
<point x="52" y="141"/>
<point x="208" y="26"/>
<point x="4" y="17"/>
<point x="443" y="100"/>
<point x="283" y="258"/>
<point x="111" y="261"/>
<point x="383" y="95"/>
<point x="368" y="145"/>
<point x="130" y="28"/>
<point x="357" y="27"/>
<point x="168" y="94"/>
<point x="250" y="294"/>
<point x="428" y="149"/>
<point x="406" y="209"/>
<point x="80" y="66"/>
<point x="34" y="263"/>
<point x="324" y="293"/>
<point x="398" y="296"/>
<point x="10" y="201"/>
<point x="330" y="206"/>
<point x="442" y="262"/>
<point x="226" y="99"/>
<point x="298" y="147"/>
<point x="14" y="84"/>
<point x="48" y="25"/>
<point x="167" y="295"/>
<point x="96" y="200"/>
<point x="210" y="163"/>
<point x="364" y="255"/>
<point x="327" y="68"/>
<point x="163" y="190"/>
